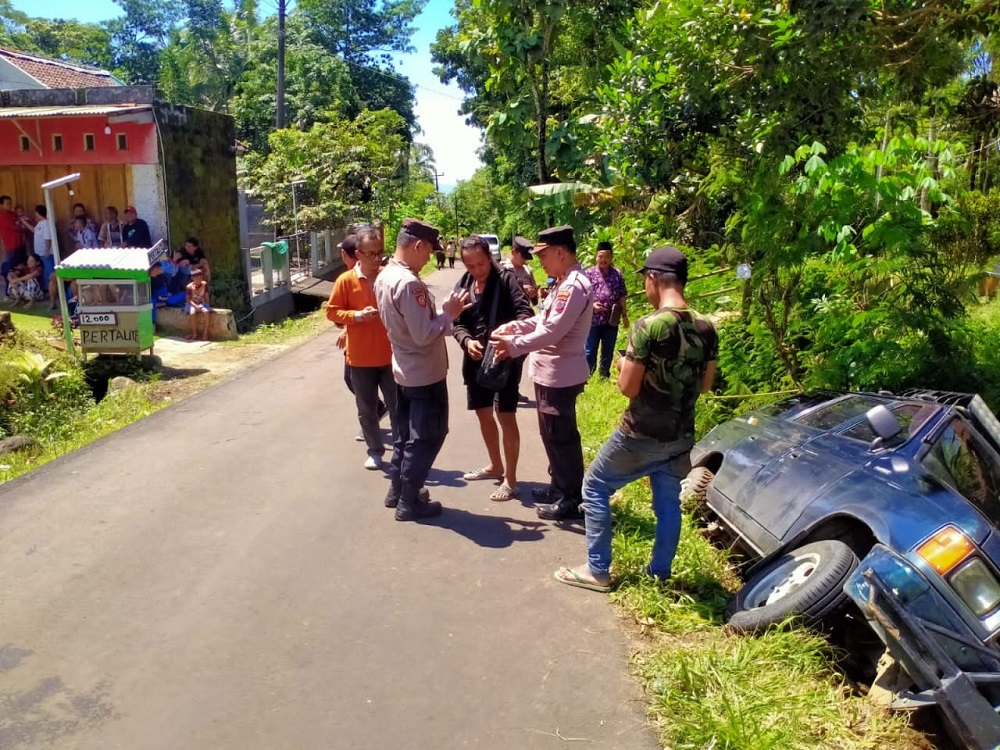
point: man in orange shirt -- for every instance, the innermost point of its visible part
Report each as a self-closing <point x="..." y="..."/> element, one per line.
<point x="369" y="355"/>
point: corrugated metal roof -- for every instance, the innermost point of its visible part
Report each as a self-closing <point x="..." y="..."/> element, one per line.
<point x="86" y="109"/>
<point x="118" y="258"/>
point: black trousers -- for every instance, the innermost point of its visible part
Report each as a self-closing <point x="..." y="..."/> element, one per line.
<point x="348" y="380"/>
<point x="561" y="438"/>
<point x="421" y="427"/>
<point x="367" y="382"/>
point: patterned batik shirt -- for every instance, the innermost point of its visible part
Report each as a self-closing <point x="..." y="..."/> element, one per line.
<point x="607" y="289"/>
<point x="675" y="346"/>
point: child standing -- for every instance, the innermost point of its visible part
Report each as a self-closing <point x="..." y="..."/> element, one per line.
<point x="197" y="306"/>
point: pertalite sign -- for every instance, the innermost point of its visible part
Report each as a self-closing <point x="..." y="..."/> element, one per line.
<point x="121" y="335"/>
<point x="111" y="336"/>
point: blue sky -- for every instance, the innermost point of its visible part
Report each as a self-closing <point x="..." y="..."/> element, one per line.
<point x="445" y="131"/>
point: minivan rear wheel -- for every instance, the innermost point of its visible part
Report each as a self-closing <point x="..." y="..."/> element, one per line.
<point x="807" y="582"/>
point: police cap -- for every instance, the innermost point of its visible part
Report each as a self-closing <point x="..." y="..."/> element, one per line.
<point x="523" y="246"/>
<point x="423" y="231"/>
<point x="561" y="236"/>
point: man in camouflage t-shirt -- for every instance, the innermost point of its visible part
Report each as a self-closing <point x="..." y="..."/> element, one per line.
<point x="669" y="362"/>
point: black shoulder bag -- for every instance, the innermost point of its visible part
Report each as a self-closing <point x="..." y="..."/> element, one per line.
<point x="493" y="373"/>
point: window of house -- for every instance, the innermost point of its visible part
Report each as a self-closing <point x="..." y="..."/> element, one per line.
<point x="122" y="142"/>
<point x="25" y="143"/>
<point x="57" y="142"/>
<point x="88" y="142"/>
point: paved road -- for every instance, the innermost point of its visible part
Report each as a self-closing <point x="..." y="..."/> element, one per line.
<point x="223" y="575"/>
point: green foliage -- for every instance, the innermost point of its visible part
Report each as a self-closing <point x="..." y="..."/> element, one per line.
<point x="347" y="167"/>
<point x="318" y="86"/>
<point x="41" y="390"/>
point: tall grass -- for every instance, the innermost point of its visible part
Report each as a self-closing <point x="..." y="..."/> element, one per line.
<point x="708" y="689"/>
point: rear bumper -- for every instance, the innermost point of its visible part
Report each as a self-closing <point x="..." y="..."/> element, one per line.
<point x="924" y="634"/>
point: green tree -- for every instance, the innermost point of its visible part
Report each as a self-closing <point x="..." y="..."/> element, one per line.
<point x="347" y="166"/>
<point x="318" y="86"/>
<point x="139" y="36"/>
<point x="207" y="57"/>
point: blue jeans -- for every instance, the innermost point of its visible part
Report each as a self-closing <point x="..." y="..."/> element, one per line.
<point x="605" y="336"/>
<point x="48" y="268"/>
<point x="622" y="460"/>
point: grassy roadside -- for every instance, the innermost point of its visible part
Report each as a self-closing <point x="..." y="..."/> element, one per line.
<point x="287" y="332"/>
<point x="707" y="688"/>
<point x="87" y="425"/>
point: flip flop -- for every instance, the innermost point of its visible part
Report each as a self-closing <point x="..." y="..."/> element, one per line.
<point x="579" y="582"/>
<point x="477" y="475"/>
<point x="504" y="493"/>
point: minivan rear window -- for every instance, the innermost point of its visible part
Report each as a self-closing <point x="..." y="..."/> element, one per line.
<point x="829" y="416"/>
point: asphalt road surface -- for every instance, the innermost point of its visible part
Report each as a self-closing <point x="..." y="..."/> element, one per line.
<point x="224" y="575"/>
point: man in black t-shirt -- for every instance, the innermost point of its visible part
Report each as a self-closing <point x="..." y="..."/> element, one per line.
<point x="135" y="231"/>
<point x="193" y="256"/>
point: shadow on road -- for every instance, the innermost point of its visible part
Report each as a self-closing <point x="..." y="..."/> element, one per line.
<point x="445" y="478"/>
<point x="495" y="532"/>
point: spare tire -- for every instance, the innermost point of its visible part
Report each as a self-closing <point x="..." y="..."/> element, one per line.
<point x="807" y="582"/>
<point x="694" y="487"/>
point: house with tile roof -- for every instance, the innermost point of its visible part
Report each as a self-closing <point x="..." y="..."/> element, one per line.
<point x="23" y="70"/>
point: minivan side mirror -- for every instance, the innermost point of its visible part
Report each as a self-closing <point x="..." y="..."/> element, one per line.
<point x="884" y="424"/>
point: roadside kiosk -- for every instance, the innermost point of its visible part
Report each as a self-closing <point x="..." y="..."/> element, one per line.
<point x="113" y="296"/>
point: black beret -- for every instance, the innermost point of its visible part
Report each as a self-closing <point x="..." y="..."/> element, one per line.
<point x="422" y="231"/>
<point x="562" y="236"/>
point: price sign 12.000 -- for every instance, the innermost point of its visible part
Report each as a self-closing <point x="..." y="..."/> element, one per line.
<point x="97" y="319"/>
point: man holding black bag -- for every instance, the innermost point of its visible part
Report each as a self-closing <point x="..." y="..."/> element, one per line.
<point x="556" y="337"/>
<point x="496" y="297"/>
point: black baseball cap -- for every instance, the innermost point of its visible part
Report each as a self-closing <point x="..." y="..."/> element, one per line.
<point x="523" y="246"/>
<point x="667" y="259"/>
<point x="423" y="231"/>
<point x="561" y="236"/>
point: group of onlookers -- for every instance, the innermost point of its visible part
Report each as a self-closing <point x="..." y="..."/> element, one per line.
<point x="27" y="268"/>
<point x="28" y="262"/>
<point x="395" y="344"/>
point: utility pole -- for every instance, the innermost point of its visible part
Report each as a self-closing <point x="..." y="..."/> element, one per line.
<point x="280" y="120"/>
<point x="436" y="175"/>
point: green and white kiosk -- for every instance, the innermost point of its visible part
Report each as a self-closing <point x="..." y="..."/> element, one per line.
<point x="114" y="305"/>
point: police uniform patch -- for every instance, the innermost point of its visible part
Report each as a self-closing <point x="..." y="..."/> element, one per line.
<point x="421" y="296"/>
<point x="561" y="298"/>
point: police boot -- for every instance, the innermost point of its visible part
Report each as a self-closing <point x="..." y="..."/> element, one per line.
<point x="543" y="495"/>
<point x="415" y="510"/>
<point x="563" y="508"/>
<point x="392" y="497"/>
